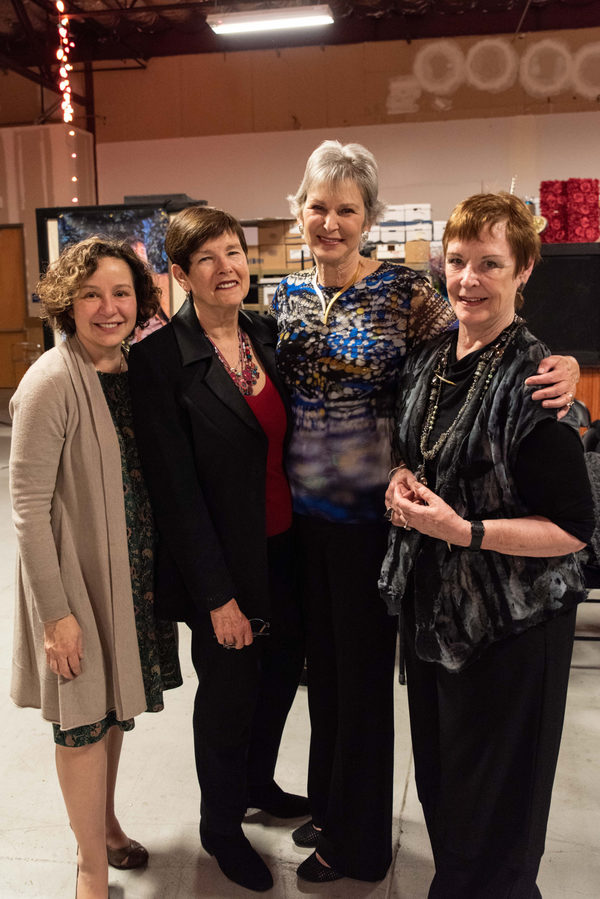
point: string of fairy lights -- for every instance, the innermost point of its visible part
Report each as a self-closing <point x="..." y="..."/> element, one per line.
<point x="66" y="44"/>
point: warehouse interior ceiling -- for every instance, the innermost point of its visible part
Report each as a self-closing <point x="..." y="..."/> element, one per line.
<point x="139" y="30"/>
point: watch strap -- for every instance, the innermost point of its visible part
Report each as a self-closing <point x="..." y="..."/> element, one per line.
<point x="477" y="532"/>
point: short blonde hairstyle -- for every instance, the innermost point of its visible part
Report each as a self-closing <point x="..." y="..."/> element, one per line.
<point x="58" y="287"/>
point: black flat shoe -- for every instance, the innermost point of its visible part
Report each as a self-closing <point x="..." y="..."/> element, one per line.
<point x="306" y="835"/>
<point x="276" y="802"/>
<point x="312" y="870"/>
<point x="238" y="860"/>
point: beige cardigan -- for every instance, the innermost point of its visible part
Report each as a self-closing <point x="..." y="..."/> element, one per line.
<point x="67" y="494"/>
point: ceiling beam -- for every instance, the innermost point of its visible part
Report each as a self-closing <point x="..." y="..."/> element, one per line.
<point x="7" y="62"/>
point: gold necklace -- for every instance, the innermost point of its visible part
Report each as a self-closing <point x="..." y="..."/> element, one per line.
<point x="337" y="294"/>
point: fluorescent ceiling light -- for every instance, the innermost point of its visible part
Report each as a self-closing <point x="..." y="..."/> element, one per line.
<point x="270" y="19"/>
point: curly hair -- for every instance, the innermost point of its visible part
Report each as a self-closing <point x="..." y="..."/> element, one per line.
<point x="57" y="288"/>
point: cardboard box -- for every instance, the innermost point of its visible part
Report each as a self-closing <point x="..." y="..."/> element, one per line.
<point x="251" y="235"/>
<point x="255" y="260"/>
<point x="266" y="290"/>
<point x="394" y="214"/>
<point x="298" y="253"/>
<point x="390" y="251"/>
<point x="392" y="233"/>
<point x="274" y="258"/>
<point x="271" y="232"/>
<point x="292" y="234"/>
<point x="374" y="234"/>
<point x="438" y="230"/>
<point x="416" y="251"/>
<point x="418" y="212"/>
<point x="421" y="231"/>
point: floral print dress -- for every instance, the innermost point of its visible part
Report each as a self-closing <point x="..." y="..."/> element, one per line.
<point x="157" y="640"/>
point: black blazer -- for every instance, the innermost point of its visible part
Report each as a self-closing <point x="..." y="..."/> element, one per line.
<point x="204" y="459"/>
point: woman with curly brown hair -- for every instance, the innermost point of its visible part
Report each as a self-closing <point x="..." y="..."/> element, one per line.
<point x="87" y="651"/>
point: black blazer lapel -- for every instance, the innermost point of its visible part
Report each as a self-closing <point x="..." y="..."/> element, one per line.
<point x="195" y="347"/>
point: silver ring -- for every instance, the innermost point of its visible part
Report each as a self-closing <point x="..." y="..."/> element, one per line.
<point x="407" y="527"/>
<point x="228" y="645"/>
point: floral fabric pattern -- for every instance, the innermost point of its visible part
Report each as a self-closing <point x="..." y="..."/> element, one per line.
<point x="341" y="376"/>
<point x="157" y="640"/>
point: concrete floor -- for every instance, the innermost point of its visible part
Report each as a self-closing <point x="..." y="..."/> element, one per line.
<point x="158" y="794"/>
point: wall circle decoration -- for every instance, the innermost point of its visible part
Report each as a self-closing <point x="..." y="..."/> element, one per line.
<point x="439" y="67"/>
<point x="586" y="71"/>
<point x="491" y="65"/>
<point x="546" y="68"/>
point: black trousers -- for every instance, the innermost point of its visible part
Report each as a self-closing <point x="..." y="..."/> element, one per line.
<point x="350" y="655"/>
<point x="486" y="744"/>
<point x="243" y="699"/>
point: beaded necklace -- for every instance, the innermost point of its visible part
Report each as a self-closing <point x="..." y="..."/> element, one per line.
<point x="490" y="359"/>
<point x="248" y="373"/>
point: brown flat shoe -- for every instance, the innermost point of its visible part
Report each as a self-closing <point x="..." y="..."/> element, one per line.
<point x="134" y="855"/>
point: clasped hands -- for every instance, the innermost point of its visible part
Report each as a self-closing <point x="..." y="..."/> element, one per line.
<point x="415" y="506"/>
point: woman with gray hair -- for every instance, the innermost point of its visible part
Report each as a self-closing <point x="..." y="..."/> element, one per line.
<point x="344" y="328"/>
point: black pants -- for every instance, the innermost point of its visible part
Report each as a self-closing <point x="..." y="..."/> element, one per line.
<point x="486" y="744"/>
<point x="243" y="699"/>
<point x="350" y="655"/>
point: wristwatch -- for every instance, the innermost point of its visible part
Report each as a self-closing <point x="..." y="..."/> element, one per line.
<point x="477" y="532"/>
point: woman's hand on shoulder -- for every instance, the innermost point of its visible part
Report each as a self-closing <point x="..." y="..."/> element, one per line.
<point x="232" y="628"/>
<point x="63" y="644"/>
<point x="556" y="380"/>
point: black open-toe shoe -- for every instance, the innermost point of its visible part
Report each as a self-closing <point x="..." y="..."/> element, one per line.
<point x="312" y="870"/>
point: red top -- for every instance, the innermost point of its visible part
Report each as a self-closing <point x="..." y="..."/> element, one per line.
<point x="269" y="410"/>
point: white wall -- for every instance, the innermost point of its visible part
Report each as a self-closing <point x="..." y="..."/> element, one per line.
<point x="36" y="168"/>
<point x="250" y="174"/>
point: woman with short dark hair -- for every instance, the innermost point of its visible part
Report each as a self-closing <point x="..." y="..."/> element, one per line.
<point x="212" y="422"/>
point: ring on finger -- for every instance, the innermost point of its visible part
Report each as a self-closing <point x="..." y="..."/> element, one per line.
<point x="228" y="644"/>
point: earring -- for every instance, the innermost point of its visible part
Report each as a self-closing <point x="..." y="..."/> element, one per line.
<point x="364" y="236"/>
<point x="300" y="227"/>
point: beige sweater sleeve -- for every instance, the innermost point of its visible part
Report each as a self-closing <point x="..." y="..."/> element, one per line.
<point x="39" y="410"/>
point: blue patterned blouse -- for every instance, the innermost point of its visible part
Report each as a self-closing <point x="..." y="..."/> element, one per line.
<point x="342" y="377"/>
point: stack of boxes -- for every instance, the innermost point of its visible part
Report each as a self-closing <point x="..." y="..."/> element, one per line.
<point x="275" y="247"/>
<point x="407" y="234"/>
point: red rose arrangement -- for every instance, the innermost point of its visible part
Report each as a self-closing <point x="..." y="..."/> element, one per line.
<point x="583" y="222"/>
<point x="553" y="206"/>
<point x="571" y="208"/>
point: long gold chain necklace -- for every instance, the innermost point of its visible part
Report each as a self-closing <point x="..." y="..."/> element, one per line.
<point x="493" y="354"/>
